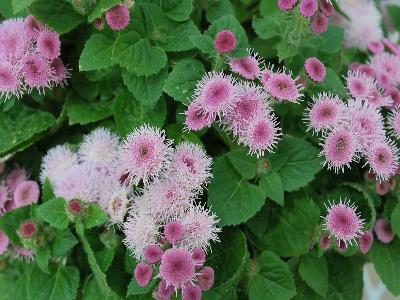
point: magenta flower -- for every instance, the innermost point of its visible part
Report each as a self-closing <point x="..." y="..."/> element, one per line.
<point x="365" y="241"/>
<point x="174" y="232"/>
<point x="326" y="7"/>
<point x="191" y="292"/>
<point x="36" y="71"/>
<point x="118" y="17"/>
<point x="325" y="242"/>
<point x="394" y="122"/>
<point x="3" y="242"/>
<point x="382" y="188"/>
<point x="153" y="253"/>
<point x="225" y="41"/>
<point x="49" y="44"/>
<point x="319" y="23"/>
<point x="341" y="245"/>
<point x="206" y="279"/>
<point x="360" y="85"/>
<point x="143" y="274"/>
<point x="315" y="69"/>
<point x="343" y="221"/>
<point x="28" y="229"/>
<point x="283" y="87"/>
<point x="247" y="67"/>
<point x="308" y="8"/>
<point x="33" y="26"/>
<point x="9" y="80"/>
<point x="384" y="231"/>
<point x="199" y="256"/>
<point x="196" y="119"/>
<point x="26" y="193"/>
<point x="164" y="292"/>
<point x="376" y="47"/>
<point x="23" y="253"/>
<point x="286" y="4"/>
<point x="383" y="160"/>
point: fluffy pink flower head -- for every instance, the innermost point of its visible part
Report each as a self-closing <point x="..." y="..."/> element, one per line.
<point x="389" y="63"/>
<point x="261" y="133"/>
<point x="143" y="273"/>
<point x="366" y="69"/>
<point x="379" y="100"/>
<point x="153" y="253"/>
<point x="26" y="193"/>
<point x="319" y="23"/>
<point x="191" y="292"/>
<point x="365" y="241"/>
<point x="325" y="112"/>
<point x="225" y="41"/>
<point x="14" y="39"/>
<point x="15" y="177"/>
<point x="339" y="148"/>
<point x="343" y="221"/>
<point x="174" y="232"/>
<point x="164" y="292"/>
<point x="325" y="242"/>
<point x="177" y="267"/>
<point x="247" y="67"/>
<point x="286" y="4"/>
<point x="144" y="154"/>
<point x="382" y="188"/>
<point x="341" y="245"/>
<point x="33" y="26"/>
<point x="10" y="84"/>
<point x="3" y="242"/>
<point x="196" y="119"/>
<point x="118" y="17"/>
<point x="4" y="197"/>
<point x="383" y="78"/>
<point x="315" y="69"/>
<point x="360" y="85"/>
<point x="23" y="253"/>
<point x="308" y="8"/>
<point x="36" y="71"/>
<point x="394" y="122"/>
<point x="49" y="44"/>
<point x="60" y="72"/>
<point x="384" y="231"/>
<point x="326" y="7"/>
<point x="216" y="94"/>
<point x="206" y="279"/>
<point x="376" y="47"/>
<point x="28" y="229"/>
<point x="383" y="160"/>
<point x="199" y="256"/>
<point x="283" y="87"/>
<point x="394" y="93"/>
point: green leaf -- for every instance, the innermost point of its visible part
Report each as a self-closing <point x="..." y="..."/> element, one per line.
<point x="56" y="14"/>
<point x="147" y="90"/>
<point x="286" y="50"/>
<point x="130" y="113"/>
<point x="314" y="271"/>
<point x="203" y="42"/>
<point x="135" y="289"/>
<point x="182" y="80"/>
<point x="94" y="216"/>
<point x="21" y="126"/>
<point x="272" y="186"/>
<point x="123" y="52"/>
<point x="54" y="212"/>
<point x="176" y="38"/>
<point x="231" y="197"/>
<point x="333" y="83"/>
<point x="105" y="258"/>
<point x="6" y="9"/>
<point x="47" y="191"/>
<point x="148" y="20"/>
<point x="42" y="257"/>
<point x="269" y="7"/>
<point x="273" y="281"/>
<point x="93" y="292"/>
<point x="268" y="27"/>
<point x="290" y="229"/>
<point x="97" y="53"/>
<point x="101" y="7"/>
<point x="177" y="10"/>
<point x="243" y="163"/>
<point x="219" y="8"/>
<point x="395" y="220"/>
<point x="12" y="220"/>
<point x="332" y="39"/>
<point x="64" y="241"/>
<point x="394" y="13"/>
<point x="386" y="259"/>
<point x="19" y="5"/>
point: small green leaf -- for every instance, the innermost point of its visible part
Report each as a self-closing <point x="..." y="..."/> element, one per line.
<point x="395" y="220"/>
<point x="101" y="7"/>
<point x="64" y="241"/>
<point x="219" y="8"/>
<point x="314" y="271"/>
<point x="105" y="258"/>
<point x="97" y="53"/>
<point x="272" y="186"/>
<point x="94" y="216"/>
<point x="268" y="27"/>
<point x="243" y="163"/>
<point x="54" y="213"/>
<point x="42" y="259"/>
<point x="286" y="50"/>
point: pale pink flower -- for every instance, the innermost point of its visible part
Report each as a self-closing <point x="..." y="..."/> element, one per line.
<point x="315" y="69"/>
<point x="196" y="119"/>
<point x="247" y="67"/>
<point x="174" y="232"/>
<point x="225" y="41"/>
<point x="383" y="160"/>
<point x="143" y="274"/>
<point x="118" y="17"/>
<point x="394" y="122"/>
<point x="376" y="47"/>
<point x="384" y="231"/>
<point x="26" y="193"/>
<point x="36" y="71"/>
<point x="365" y="241"/>
<point x="33" y="26"/>
<point x="15" y="177"/>
<point x="206" y="279"/>
<point x="49" y="44"/>
<point x="394" y="93"/>
<point x="191" y="292"/>
<point x="283" y="87"/>
<point x="10" y="84"/>
<point x="14" y="39"/>
<point x="389" y="63"/>
<point x="286" y="4"/>
<point x="308" y="8"/>
<point x="360" y="85"/>
<point x="4" y="197"/>
<point x="3" y="242"/>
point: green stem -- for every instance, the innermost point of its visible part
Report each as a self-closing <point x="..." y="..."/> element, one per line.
<point x="218" y="63"/>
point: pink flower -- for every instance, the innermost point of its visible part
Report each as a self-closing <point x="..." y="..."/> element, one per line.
<point x="196" y="119"/>
<point x="383" y="78"/>
<point x="118" y="17"/>
<point x="48" y="44"/>
<point x="28" y="229"/>
<point x="394" y="93"/>
<point x="225" y="41"/>
<point x="75" y="206"/>
<point x="26" y="254"/>
<point x="60" y="72"/>
<point x="177" y="267"/>
<point x="389" y="63"/>
<point x="286" y="4"/>
<point x="283" y="87"/>
<point x="4" y="197"/>
<point x="26" y="193"/>
<point x="384" y="231"/>
<point x="174" y="232"/>
<point x="326" y="7"/>
<point x="366" y="69"/>
<point x="382" y="188"/>
<point x="315" y="69"/>
<point x="319" y="23"/>
<point x="14" y="39"/>
<point x="36" y="71"/>
<point x="191" y="292"/>
<point x="394" y="122"/>
<point x="248" y="67"/>
<point x="376" y="47"/>
<point x="3" y="242"/>
<point x="164" y="292"/>
<point x="9" y="80"/>
<point x="153" y="253"/>
<point x="206" y="279"/>
<point x="341" y="245"/>
<point x="360" y="85"/>
<point x="343" y="221"/>
<point x="143" y="274"/>
<point x="325" y="242"/>
<point x="145" y="154"/>
<point x="199" y="256"/>
<point x="15" y="177"/>
<point x="383" y="160"/>
<point x="99" y="23"/>
<point x="33" y="26"/>
<point x="308" y="7"/>
<point x="395" y="48"/>
<point x="379" y="100"/>
<point x="365" y="241"/>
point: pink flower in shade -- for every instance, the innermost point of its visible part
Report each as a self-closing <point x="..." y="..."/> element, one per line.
<point x="9" y="80"/>
<point x="36" y="71"/>
<point x="10" y="205"/>
<point x="326" y="7"/>
<point x="174" y="232"/>
<point x="206" y="279"/>
<point x="49" y="44"/>
<point x="394" y="122"/>
<point x="395" y="48"/>
<point x="383" y="231"/>
<point x="319" y="23"/>
<point x="26" y="193"/>
<point x="376" y="47"/>
<point x="153" y="253"/>
<point x="60" y="72"/>
<point x="365" y="241"/>
<point x="394" y="93"/>
<point x="225" y="41"/>
<point x="15" y="177"/>
<point x="33" y="26"/>
<point x="379" y="100"/>
<point x="315" y="69"/>
<point x="196" y="119"/>
<point x="383" y="78"/>
<point x="191" y="292"/>
<point x="308" y="8"/>
<point x="382" y="188"/>
<point x="145" y="154"/>
<point x="28" y="229"/>
<point x="199" y="256"/>
<point x="3" y="242"/>
<point x="389" y="63"/>
<point x="216" y="94"/>
<point x="283" y="87"/>
<point x="286" y="4"/>
<point x="339" y="148"/>
<point x="261" y="133"/>
<point x="341" y="245"/>
<point x="177" y="267"/>
<point x="4" y="197"/>
<point x="343" y="221"/>
<point x="325" y="242"/>
<point x="247" y="67"/>
<point x="23" y="253"/>
<point x="383" y="159"/>
<point x="369" y="176"/>
<point x="325" y="112"/>
<point x="265" y="74"/>
<point x="164" y="292"/>
<point x="143" y="274"/>
<point x="118" y="17"/>
<point x="360" y="85"/>
<point x="366" y="69"/>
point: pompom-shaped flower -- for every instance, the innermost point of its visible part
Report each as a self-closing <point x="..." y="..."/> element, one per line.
<point x="174" y="232"/>
<point x="15" y="177"/>
<point x="206" y="279"/>
<point x="36" y="71"/>
<point x="286" y="4"/>
<point x="383" y="160"/>
<point x="26" y="193"/>
<point x="196" y="119"/>
<point x="14" y="39"/>
<point x="60" y="72"/>
<point x="9" y="80"/>
<point x="308" y="8"/>
<point x="376" y="47"/>
<point x="144" y="154"/>
<point x="199" y="256"/>
<point x="319" y="23"/>
<point x="225" y="41"/>
<point x="3" y="242"/>
<point x="191" y="292"/>
<point x="33" y="26"/>
<point x="343" y="221"/>
<point x="394" y="123"/>
<point x="153" y="253"/>
<point x="326" y="7"/>
<point x="388" y="63"/>
<point x="384" y="231"/>
<point x="360" y="85"/>
<point x="315" y="69"/>
<point x="28" y="229"/>
<point x="118" y="17"/>
<point x="365" y="241"/>
<point x="177" y="267"/>
<point x="283" y="87"/>
<point x="247" y="67"/>
<point x="48" y="44"/>
<point x="164" y="292"/>
<point x="143" y="273"/>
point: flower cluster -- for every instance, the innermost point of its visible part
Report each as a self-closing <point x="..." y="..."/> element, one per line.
<point x="29" y="57"/>
<point x="318" y="10"/>
<point x="117" y="18"/>
<point x="382" y="188"/>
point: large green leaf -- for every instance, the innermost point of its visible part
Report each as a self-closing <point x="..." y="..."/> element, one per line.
<point x="272" y="186"/>
<point x="124" y="49"/>
<point x="176" y="38"/>
<point x="54" y="212"/>
<point x="177" y="10"/>
<point x="97" y="53"/>
<point x="219" y="8"/>
<point x="243" y="163"/>
<point x="395" y="220"/>
<point x="94" y="216"/>
<point x="64" y="241"/>
<point x="314" y="271"/>
<point x="19" y="5"/>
